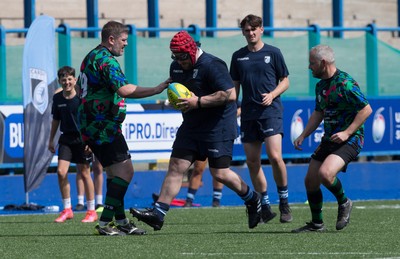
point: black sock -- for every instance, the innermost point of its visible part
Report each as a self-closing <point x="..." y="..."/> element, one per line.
<point x="337" y="189"/>
<point x="116" y="189"/>
<point x="315" y="201"/>
<point x="161" y="209"/>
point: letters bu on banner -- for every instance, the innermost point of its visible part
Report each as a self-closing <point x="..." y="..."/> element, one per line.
<point x="39" y="81"/>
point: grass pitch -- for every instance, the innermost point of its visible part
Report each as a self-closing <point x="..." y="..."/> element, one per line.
<point x="210" y="232"/>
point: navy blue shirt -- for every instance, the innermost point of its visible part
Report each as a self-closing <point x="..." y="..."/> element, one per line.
<point x="258" y="72"/>
<point x="209" y="75"/>
<point x="66" y="111"/>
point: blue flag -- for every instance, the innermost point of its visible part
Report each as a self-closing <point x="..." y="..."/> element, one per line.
<point x="39" y="81"/>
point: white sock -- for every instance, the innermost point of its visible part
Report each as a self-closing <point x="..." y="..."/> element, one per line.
<point x="90" y="205"/>
<point x="99" y="199"/>
<point x="67" y="203"/>
<point x="81" y="199"/>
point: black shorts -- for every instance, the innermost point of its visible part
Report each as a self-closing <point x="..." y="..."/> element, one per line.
<point x="111" y="153"/>
<point x="219" y="154"/>
<point x="344" y="150"/>
<point x="258" y="130"/>
<point x="73" y="153"/>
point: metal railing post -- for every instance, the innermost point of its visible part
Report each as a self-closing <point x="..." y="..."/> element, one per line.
<point x="64" y="45"/>
<point x="371" y="54"/>
<point x="130" y="56"/>
<point x="3" y="64"/>
<point x="314" y="38"/>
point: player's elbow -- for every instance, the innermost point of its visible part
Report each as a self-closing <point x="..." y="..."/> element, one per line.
<point x="126" y="90"/>
<point x="231" y="95"/>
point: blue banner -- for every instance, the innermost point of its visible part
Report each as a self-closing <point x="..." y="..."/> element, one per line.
<point x="150" y="131"/>
<point x="39" y="77"/>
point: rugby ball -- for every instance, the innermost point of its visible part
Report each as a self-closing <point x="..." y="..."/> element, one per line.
<point x="175" y="91"/>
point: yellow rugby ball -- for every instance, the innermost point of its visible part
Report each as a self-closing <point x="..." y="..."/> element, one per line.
<point x="175" y="91"/>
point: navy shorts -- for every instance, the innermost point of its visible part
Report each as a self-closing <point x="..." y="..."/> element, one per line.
<point x="219" y="153"/>
<point x="344" y="150"/>
<point x="258" y="130"/>
<point x="74" y="153"/>
<point x="111" y="153"/>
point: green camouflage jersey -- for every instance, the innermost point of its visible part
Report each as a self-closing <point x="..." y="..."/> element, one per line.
<point x="102" y="110"/>
<point x="340" y="99"/>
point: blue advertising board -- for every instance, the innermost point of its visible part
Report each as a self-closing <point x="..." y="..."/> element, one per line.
<point x="151" y="132"/>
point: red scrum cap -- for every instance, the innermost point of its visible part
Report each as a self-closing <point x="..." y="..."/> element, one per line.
<point x="183" y="42"/>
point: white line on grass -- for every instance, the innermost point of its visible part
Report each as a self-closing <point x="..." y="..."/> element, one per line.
<point x="294" y="253"/>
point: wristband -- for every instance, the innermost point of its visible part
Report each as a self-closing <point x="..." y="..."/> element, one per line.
<point x="198" y="102"/>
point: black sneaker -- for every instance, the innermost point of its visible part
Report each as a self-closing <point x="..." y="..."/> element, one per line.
<point x="79" y="207"/>
<point x="266" y="214"/>
<point x="108" y="230"/>
<point x="253" y="210"/>
<point x="286" y="213"/>
<point x="216" y="203"/>
<point x="130" y="229"/>
<point x="148" y="216"/>
<point x="310" y="227"/>
<point x="188" y="203"/>
<point x="343" y="217"/>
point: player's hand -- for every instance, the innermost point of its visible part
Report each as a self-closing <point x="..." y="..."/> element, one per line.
<point x="267" y="99"/>
<point x="188" y="104"/>
<point x="51" y="147"/>
<point x="340" y="137"/>
<point x="297" y="143"/>
<point x="164" y="85"/>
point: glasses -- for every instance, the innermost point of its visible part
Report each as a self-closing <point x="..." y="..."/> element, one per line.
<point x="180" y="57"/>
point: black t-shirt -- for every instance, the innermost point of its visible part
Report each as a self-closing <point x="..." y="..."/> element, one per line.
<point x="66" y="111"/>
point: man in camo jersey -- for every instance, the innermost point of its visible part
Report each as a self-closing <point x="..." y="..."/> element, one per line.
<point x="103" y="89"/>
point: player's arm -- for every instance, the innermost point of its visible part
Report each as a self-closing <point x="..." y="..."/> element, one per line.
<point x="135" y="91"/>
<point x="282" y="86"/>
<point x="237" y="88"/>
<point x="312" y="124"/>
<point x="217" y="99"/>
<point x="53" y="131"/>
<point x="358" y="121"/>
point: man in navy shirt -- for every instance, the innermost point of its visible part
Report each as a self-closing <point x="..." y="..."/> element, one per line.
<point x="208" y="129"/>
<point x="261" y="71"/>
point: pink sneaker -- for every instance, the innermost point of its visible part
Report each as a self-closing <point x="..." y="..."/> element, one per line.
<point x="91" y="216"/>
<point x="64" y="215"/>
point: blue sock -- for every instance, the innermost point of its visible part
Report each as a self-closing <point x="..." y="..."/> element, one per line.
<point x="217" y="194"/>
<point x="249" y="196"/>
<point x="265" y="198"/>
<point x="191" y="194"/>
<point x="283" y="194"/>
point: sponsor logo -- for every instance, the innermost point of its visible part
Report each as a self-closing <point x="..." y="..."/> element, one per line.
<point x="296" y="126"/>
<point x="244" y="58"/>
<point x="39" y="89"/>
<point x="213" y="150"/>
<point x="378" y="126"/>
<point x="178" y="71"/>
<point x="268" y="130"/>
<point x="397" y="125"/>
